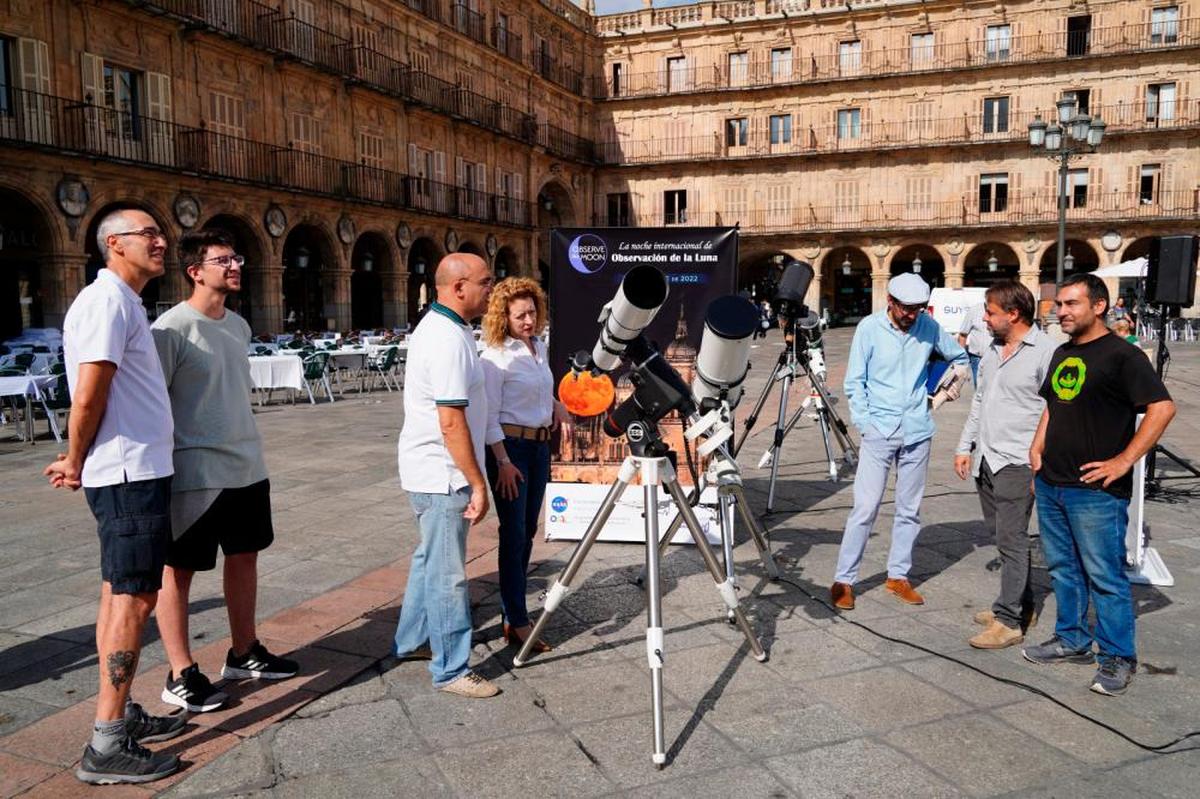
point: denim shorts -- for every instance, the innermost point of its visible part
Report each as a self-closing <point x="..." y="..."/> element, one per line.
<point x="134" y="523"/>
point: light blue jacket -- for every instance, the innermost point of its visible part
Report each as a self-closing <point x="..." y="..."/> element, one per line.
<point x="885" y="379"/>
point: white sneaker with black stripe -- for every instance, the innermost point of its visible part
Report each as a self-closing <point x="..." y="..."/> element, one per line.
<point x="192" y="691"/>
<point x="258" y="664"/>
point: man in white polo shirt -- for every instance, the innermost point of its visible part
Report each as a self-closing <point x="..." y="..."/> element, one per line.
<point x="120" y="452"/>
<point x="440" y="458"/>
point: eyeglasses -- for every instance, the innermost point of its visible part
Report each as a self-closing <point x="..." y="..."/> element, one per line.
<point x="226" y="262"/>
<point x="907" y="309"/>
<point x="146" y="233"/>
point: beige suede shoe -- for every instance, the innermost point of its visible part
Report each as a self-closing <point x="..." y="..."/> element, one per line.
<point x="997" y="636"/>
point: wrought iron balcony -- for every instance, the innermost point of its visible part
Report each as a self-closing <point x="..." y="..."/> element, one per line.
<point x="812" y="68"/>
<point x="565" y="144"/>
<point x="508" y="44"/>
<point x="469" y="22"/>
<point x="548" y="67"/>
<point x="1121" y="118"/>
<point x="265" y="28"/>
<point x="1033" y="209"/>
<point x="77" y="128"/>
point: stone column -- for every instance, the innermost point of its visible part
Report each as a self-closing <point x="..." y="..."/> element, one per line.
<point x="61" y="278"/>
<point x="394" y="285"/>
<point x="879" y="280"/>
<point x="175" y="287"/>
<point x="335" y="292"/>
<point x="267" y="300"/>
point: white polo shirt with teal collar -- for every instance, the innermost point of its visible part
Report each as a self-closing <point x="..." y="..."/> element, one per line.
<point x="443" y="369"/>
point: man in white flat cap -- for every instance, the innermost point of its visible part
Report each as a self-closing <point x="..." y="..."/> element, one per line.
<point x="885" y="387"/>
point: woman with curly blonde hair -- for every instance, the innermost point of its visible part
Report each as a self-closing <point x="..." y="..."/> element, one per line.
<point x="522" y="413"/>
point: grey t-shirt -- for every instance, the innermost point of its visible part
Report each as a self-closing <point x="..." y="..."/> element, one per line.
<point x="204" y="361"/>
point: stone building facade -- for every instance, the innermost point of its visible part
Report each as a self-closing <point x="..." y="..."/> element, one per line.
<point x="866" y="136"/>
<point x="345" y="145"/>
<point x="348" y="144"/>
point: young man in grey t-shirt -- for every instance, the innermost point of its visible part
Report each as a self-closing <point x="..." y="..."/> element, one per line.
<point x="220" y="495"/>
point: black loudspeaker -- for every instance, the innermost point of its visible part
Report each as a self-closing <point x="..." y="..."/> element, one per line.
<point x="1171" y="275"/>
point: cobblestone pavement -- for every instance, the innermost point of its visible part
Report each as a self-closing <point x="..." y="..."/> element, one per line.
<point x="837" y="710"/>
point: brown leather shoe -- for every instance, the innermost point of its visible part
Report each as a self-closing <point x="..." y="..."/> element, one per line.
<point x="904" y="591"/>
<point x="842" y="596"/>
<point x="1029" y="618"/>
<point x="996" y="636"/>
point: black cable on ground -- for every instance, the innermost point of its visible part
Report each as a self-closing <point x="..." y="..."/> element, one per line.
<point x="1158" y="749"/>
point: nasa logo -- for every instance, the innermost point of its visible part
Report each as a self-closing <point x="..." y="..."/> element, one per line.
<point x="558" y="504"/>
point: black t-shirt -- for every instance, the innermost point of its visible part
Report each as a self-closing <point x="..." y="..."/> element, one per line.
<point x="1094" y="392"/>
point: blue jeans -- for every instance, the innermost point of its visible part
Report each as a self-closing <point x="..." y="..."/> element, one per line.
<point x="974" y="359"/>
<point x="437" y="607"/>
<point x="1083" y="535"/>
<point x="876" y="455"/>
<point x="519" y="520"/>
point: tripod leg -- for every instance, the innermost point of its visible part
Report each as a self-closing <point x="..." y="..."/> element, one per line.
<point x="756" y="532"/>
<point x="724" y="584"/>
<point x="778" y="442"/>
<point x="725" y="507"/>
<point x="654" y="626"/>
<point x="752" y="419"/>
<point x="823" y="423"/>
<point x="562" y="585"/>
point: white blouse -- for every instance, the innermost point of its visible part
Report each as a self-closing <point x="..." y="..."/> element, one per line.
<point x="519" y="385"/>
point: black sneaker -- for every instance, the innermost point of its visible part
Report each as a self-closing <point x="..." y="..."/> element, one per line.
<point x="130" y="763"/>
<point x="147" y="729"/>
<point x="192" y="691"/>
<point x="1113" y="677"/>
<point x="258" y="664"/>
<point x="1053" y="651"/>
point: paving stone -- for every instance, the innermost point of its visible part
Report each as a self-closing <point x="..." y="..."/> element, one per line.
<point x="366" y="688"/>
<point x="740" y="780"/>
<point x="571" y="697"/>
<point x="982" y="755"/>
<point x="1063" y="730"/>
<point x="444" y="720"/>
<point x="414" y="775"/>
<point x="773" y="723"/>
<point x="885" y="698"/>
<point x="344" y="739"/>
<point x="859" y="768"/>
<point x="19" y="651"/>
<point x="536" y="764"/>
<point x="1175" y="776"/>
<point x="244" y="768"/>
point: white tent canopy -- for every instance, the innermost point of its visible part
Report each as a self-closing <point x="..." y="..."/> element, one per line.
<point x="1134" y="268"/>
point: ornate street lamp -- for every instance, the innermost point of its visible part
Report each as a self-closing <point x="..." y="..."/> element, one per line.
<point x="917" y="265"/>
<point x="846" y="266"/>
<point x="419" y="266"/>
<point x="993" y="263"/>
<point x="1073" y="136"/>
<point x="1069" y="262"/>
<point x="368" y="261"/>
<point x="301" y="259"/>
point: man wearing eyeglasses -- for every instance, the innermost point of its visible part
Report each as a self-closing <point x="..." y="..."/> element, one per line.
<point x="885" y="387"/>
<point x="120" y="453"/>
<point x="220" y="494"/>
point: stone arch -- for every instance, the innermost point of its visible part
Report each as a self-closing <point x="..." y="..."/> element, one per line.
<point x="29" y="240"/>
<point x="758" y="273"/>
<point x="555" y="208"/>
<point x="249" y="244"/>
<point x="1138" y="248"/>
<point x="507" y="263"/>
<point x="471" y="248"/>
<point x="847" y="297"/>
<point x="423" y="258"/>
<point x="1084" y="255"/>
<point x="977" y="264"/>
<point x="153" y="291"/>
<point x="308" y="254"/>
<point x="369" y="260"/>
<point x="921" y="258"/>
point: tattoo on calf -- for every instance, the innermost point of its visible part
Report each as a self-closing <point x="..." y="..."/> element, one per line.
<point x="121" y="666"/>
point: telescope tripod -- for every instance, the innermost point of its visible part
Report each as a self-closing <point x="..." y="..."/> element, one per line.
<point x="650" y="462"/>
<point x="793" y="362"/>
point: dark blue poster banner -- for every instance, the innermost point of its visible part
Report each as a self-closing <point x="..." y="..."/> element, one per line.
<point x="587" y="266"/>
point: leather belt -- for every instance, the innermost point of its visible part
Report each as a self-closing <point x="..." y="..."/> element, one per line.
<point x="526" y="433"/>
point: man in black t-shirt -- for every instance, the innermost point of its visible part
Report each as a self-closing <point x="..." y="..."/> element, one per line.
<point x="1082" y="453"/>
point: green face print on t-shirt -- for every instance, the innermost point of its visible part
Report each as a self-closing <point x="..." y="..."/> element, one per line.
<point x="1068" y="378"/>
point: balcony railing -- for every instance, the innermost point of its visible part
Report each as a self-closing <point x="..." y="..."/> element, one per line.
<point x="264" y="27"/>
<point x="566" y="144"/>
<point x="1038" y="209"/>
<point x="809" y="68"/>
<point x="469" y="22"/>
<point x="76" y="128"/>
<point x="508" y="44"/>
<point x="548" y="67"/>
<point x="1120" y="118"/>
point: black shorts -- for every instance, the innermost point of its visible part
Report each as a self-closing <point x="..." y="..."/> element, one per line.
<point x="134" y="523"/>
<point x="239" y="520"/>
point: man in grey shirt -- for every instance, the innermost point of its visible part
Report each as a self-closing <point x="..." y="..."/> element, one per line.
<point x="1004" y="416"/>
<point x="974" y="336"/>
<point x="220" y="495"/>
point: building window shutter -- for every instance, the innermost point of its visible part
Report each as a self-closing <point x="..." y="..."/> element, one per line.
<point x="518" y="186"/>
<point x="460" y="169"/>
<point x="158" y="107"/>
<point x="481" y="177"/>
<point x="34" y="66"/>
<point x="414" y="160"/>
<point x="93" y="78"/>
<point x="439" y="166"/>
